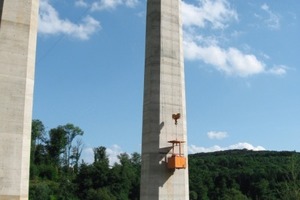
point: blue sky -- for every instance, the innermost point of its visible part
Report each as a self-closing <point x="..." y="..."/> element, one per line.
<point x="241" y="65"/>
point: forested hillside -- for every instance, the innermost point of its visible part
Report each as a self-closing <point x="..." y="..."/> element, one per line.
<point x="243" y="174"/>
<point x="58" y="173"/>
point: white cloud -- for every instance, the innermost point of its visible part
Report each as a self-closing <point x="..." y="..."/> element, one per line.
<point x="208" y="49"/>
<point x="81" y="3"/>
<point x="131" y="3"/>
<point x="217" y="135"/>
<point x="245" y="145"/>
<point x="196" y="149"/>
<point x="88" y="155"/>
<point x="278" y="70"/>
<point x="112" y="4"/>
<point x="265" y="7"/>
<point x="231" y="61"/>
<point x="50" y="23"/>
<point x="273" y="21"/>
<point x="243" y="64"/>
<point x="217" y="13"/>
<point x="113" y="153"/>
<point x="242" y="145"/>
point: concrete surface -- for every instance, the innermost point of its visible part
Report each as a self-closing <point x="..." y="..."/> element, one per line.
<point x="164" y="95"/>
<point x="18" y="34"/>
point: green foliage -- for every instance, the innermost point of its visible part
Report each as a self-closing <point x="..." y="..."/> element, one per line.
<point x="100" y="194"/>
<point x="242" y="174"/>
<point x="100" y="156"/>
<point x="193" y="195"/>
<point x="39" y="191"/>
<point x="37" y="136"/>
<point x="56" y="174"/>
<point x="56" y="144"/>
<point x="37" y="131"/>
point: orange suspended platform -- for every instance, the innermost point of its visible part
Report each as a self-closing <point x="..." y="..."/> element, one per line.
<point x="176" y="161"/>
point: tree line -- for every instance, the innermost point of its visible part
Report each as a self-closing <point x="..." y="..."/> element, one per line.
<point x="245" y="175"/>
<point x="57" y="171"/>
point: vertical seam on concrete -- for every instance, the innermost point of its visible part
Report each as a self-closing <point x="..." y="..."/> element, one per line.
<point x="1" y="9"/>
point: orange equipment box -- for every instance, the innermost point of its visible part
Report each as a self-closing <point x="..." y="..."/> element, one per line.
<point x="176" y="162"/>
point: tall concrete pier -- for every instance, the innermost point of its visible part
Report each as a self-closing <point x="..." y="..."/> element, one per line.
<point x="18" y="33"/>
<point x="164" y="96"/>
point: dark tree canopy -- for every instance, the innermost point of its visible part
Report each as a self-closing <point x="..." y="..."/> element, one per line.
<point x="243" y="174"/>
<point x="57" y="174"/>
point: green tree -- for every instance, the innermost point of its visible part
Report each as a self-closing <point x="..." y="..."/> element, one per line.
<point x="76" y="154"/>
<point x="291" y="187"/>
<point x="234" y="194"/>
<point x="100" y="155"/>
<point x="92" y="179"/>
<point x="54" y="160"/>
<point x="100" y="194"/>
<point x="71" y="132"/>
<point x="125" y="177"/>
<point x="193" y="195"/>
<point x="56" y="144"/>
<point x="85" y="180"/>
<point x="39" y="191"/>
<point x="37" y="137"/>
<point x="37" y="131"/>
<point x="61" y="142"/>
